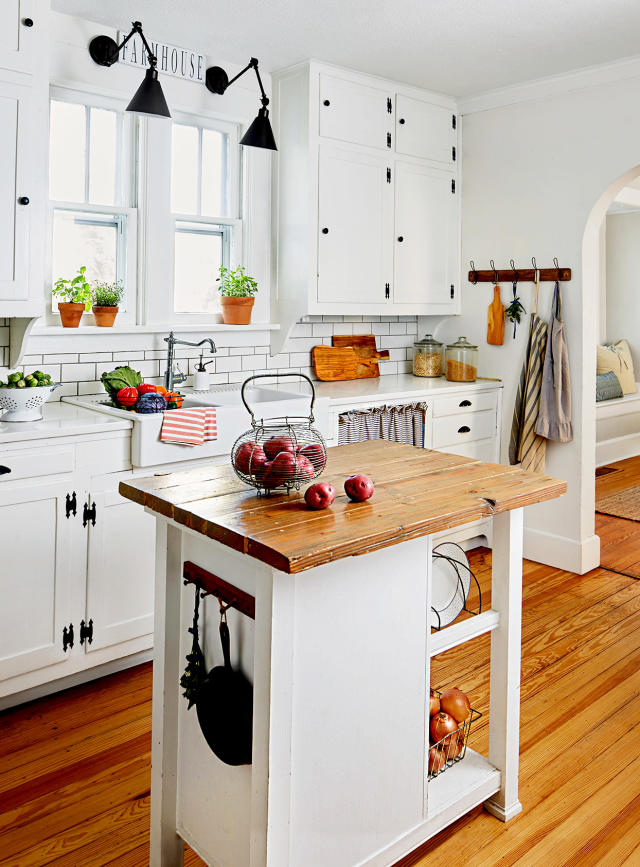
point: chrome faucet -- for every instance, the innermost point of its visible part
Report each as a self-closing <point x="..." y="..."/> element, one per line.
<point x="171" y="378"/>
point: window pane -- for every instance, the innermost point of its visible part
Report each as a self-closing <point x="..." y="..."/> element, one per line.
<point x="184" y="169"/>
<point x="67" y="159"/>
<point x="214" y="147"/>
<point x="198" y="255"/>
<point x="84" y="239"/>
<point x="102" y="157"/>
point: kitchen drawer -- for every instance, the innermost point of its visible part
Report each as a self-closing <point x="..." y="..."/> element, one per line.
<point x="463" y="428"/>
<point x="37" y="462"/>
<point x="482" y="450"/>
<point x="464" y="403"/>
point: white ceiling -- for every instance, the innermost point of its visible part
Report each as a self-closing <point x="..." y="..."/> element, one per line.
<point x="459" y="47"/>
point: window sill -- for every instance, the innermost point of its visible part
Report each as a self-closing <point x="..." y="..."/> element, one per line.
<point x="58" y="330"/>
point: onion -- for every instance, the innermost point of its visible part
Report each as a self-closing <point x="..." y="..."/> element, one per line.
<point x="454" y="746"/>
<point x="456" y="704"/>
<point x="434" y="703"/>
<point x="442" y="725"/>
<point x="437" y="760"/>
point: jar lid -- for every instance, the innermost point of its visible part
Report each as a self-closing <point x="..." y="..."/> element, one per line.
<point x="461" y="343"/>
<point x="428" y="340"/>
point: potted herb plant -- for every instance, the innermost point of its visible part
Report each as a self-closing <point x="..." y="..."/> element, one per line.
<point x="236" y="295"/>
<point x="106" y="298"/>
<point x="76" y="293"/>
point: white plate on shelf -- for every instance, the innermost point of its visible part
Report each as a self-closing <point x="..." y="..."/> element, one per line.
<point x="450" y="583"/>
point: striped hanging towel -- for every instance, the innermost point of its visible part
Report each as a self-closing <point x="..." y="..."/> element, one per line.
<point x="400" y="424"/>
<point x="526" y="447"/>
<point x="189" y="427"/>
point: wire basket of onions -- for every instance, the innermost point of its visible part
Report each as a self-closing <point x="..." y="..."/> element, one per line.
<point x="279" y="454"/>
<point x="450" y="718"/>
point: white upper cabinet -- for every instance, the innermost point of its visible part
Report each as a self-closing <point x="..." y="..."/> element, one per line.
<point x="425" y="130"/>
<point x="356" y="113"/>
<point x="20" y="23"/>
<point x="354" y="264"/>
<point x="350" y="179"/>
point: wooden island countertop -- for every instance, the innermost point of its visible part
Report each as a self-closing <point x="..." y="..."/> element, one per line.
<point x="417" y="492"/>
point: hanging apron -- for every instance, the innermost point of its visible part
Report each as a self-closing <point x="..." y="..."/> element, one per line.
<point x="554" y="418"/>
<point x="525" y="447"/>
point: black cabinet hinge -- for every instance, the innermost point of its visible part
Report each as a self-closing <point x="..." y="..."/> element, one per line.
<point x="453" y="186"/>
<point x="86" y="632"/>
<point x="71" y="505"/>
<point x="453" y="121"/>
<point x="388" y="139"/>
<point x="389" y="105"/>
<point x="453" y="291"/>
<point x="453" y="153"/>
<point x="89" y="514"/>
<point x="387" y="290"/>
<point x="67" y="637"/>
<point x="388" y="176"/>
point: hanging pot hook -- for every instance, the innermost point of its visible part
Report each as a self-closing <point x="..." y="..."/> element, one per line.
<point x="474" y="277"/>
<point x="496" y="276"/>
<point x="515" y="271"/>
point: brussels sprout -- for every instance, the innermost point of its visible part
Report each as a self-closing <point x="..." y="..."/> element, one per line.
<point x="21" y="383"/>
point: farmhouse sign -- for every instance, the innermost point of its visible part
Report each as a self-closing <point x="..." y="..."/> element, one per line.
<point x="180" y="62"/>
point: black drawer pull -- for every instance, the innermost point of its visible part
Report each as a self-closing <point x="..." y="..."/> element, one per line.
<point x="465" y="403"/>
<point x="24" y="200"/>
<point x="326" y="102"/>
<point x="325" y="231"/>
<point x="27" y="22"/>
<point x="4" y="470"/>
<point x="401" y="120"/>
<point x="464" y="429"/>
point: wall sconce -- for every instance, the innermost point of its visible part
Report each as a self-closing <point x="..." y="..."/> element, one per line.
<point x="148" y="98"/>
<point x="259" y="134"/>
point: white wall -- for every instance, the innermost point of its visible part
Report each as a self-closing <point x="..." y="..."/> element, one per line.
<point x="534" y="176"/>
<point x="623" y="281"/>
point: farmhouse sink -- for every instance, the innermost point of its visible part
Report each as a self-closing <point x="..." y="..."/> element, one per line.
<point x="148" y="450"/>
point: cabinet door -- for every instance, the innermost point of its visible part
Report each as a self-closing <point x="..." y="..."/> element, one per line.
<point x="18" y="37"/>
<point x="15" y="112"/>
<point x="38" y="576"/>
<point x="426" y="219"/>
<point x="424" y="130"/>
<point x="120" y="569"/>
<point x="355" y="113"/>
<point x="355" y="209"/>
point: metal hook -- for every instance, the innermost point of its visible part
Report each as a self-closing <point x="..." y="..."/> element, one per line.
<point x="496" y="276"/>
<point x="555" y="262"/>
<point x="474" y="278"/>
<point x="514" y="269"/>
<point x="535" y="269"/>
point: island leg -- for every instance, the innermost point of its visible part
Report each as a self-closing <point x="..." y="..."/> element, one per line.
<point x="504" y="707"/>
<point x="167" y="849"/>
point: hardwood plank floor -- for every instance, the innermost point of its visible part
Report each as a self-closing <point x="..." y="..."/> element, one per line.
<point x="74" y="768"/>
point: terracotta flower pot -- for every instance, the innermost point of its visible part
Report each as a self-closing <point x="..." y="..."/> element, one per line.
<point x="236" y="311"/>
<point x="70" y="314"/>
<point x="105" y="316"/>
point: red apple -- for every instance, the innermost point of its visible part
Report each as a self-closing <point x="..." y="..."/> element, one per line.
<point x="304" y="468"/>
<point x="283" y="468"/>
<point x="275" y="445"/>
<point x="358" y="487"/>
<point x="263" y="477"/>
<point x="248" y="457"/>
<point x="320" y="496"/>
<point x="315" y="453"/>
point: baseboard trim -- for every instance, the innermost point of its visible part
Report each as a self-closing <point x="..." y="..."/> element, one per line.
<point x="562" y="553"/>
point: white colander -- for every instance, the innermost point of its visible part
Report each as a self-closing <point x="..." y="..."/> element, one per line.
<point x="24" y="404"/>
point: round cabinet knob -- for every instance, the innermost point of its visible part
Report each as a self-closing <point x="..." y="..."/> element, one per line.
<point x="401" y="120"/>
<point x="401" y="238"/>
<point x="325" y="231"/>
<point x="23" y="200"/>
<point x="326" y="102"/>
<point x="27" y="22"/>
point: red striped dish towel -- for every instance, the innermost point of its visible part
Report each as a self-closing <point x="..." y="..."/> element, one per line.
<point x="189" y="427"/>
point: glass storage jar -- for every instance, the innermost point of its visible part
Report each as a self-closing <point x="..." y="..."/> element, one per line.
<point x="461" y="361"/>
<point x="427" y="357"/>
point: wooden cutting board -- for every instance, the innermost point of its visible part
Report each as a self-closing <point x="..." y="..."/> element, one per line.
<point x="495" y="328"/>
<point x="365" y="348"/>
<point x="332" y="363"/>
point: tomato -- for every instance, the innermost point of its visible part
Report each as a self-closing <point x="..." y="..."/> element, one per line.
<point x="147" y="388"/>
<point x="161" y="390"/>
<point x="174" y="397"/>
<point x="127" y="396"/>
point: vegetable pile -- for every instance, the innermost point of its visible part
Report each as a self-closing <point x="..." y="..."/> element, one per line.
<point x="27" y="380"/>
<point x="449" y="715"/>
<point x="127" y="391"/>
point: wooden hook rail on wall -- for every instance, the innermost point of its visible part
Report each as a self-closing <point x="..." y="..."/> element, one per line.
<point x="226" y="593"/>
<point x="519" y="275"/>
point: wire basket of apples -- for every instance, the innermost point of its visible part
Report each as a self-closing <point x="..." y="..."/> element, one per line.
<point x="279" y="454"/>
<point x="450" y="718"/>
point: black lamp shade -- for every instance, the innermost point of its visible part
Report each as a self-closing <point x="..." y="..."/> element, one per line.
<point x="260" y="134"/>
<point x="149" y="98"/>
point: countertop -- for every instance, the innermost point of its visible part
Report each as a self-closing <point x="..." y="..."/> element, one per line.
<point x="60" y="419"/>
<point x="402" y="386"/>
<point x="417" y="492"/>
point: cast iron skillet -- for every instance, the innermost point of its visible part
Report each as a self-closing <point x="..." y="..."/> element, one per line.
<point x="225" y="709"/>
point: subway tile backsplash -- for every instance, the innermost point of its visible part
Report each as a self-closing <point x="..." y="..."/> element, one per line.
<point x="238" y="354"/>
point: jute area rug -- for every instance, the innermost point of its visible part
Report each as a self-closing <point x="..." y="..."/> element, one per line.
<point x="624" y="504"/>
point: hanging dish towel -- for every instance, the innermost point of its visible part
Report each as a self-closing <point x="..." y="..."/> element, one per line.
<point x="554" y="418"/>
<point x="525" y="447"/>
<point x="189" y="427"/>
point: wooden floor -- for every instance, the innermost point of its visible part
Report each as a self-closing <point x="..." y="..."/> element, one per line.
<point x="74" y="768"/>
<point x="620" y="549"/>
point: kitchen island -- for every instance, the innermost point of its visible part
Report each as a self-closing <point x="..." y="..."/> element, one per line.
<point x="338" y="654"/>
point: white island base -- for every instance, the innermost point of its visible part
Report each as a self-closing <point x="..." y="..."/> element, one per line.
<point x="339" y="658"/>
